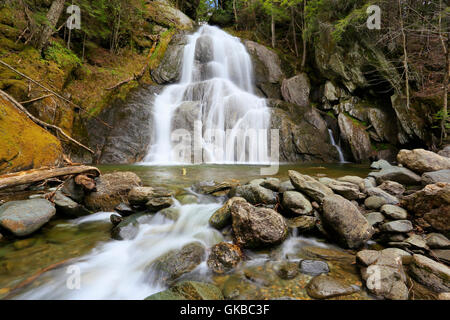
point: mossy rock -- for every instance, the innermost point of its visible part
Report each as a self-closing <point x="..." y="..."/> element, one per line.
<point x="25" y="145"/>
<point x="9" y="32"/>
<point x="6" y="16"/>
<point x="16" y="88"/>
<point x="189" y="290"/>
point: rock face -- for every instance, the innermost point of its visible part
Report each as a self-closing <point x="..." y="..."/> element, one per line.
<point x="131" y="121"/>
<point x="310" y="186"/>
<point x="296" y="90"/>
<point x="323" y="287"/>
<point x="189" y="290"/>
<point x="296" y="203"/>
<point x="267" y="68"/>
<point x="432" y="274"/>
<point x="345" y="221"/>
<point x="178" y="262"/>
<point x="224" y="257"/>
<point x="24" y="145"/>
<point x="112" y="189"/>
<point x="24" y="217"/>
<point x="420" y="160"/>
<point x="222" y="217"/>
<point x="356" y="137"/>
<point x="169" y="70"/>
<point x="255" y="227"/>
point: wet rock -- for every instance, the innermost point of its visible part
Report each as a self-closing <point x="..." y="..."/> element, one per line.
<point x="255" y="227"/>
<point x="222" y="217"/>
<point x="435" y="177"/>
<point x="24" y="217"/>
<point x="328" y="254"/>
<point x="128" y="228"/>
<point x="420" y="160"/>
<point x="355" y="136"/>
<point x="175" y="263"/>
<point x="374" y="218"/>
<point x="390" y="199"/>
<point x="345" y="221"/>
<point x="124" y="209"/>
<point x="73" y="190"/>
<point x="313" y="267"/>
<point x="310" y="186"/>
<point x="296" y="90"/>
<point x="323" y="287"/>
<point x="302" y="223"/>
<point x="256" y="194"/>
<point x="380" y="164"/>
<point x="393" y="188"/>
<point x="115" y="219"/>
<point x="204" y="49"/>
<point x="437" y="241"/>
<point x="213" y="188"/>
<point x="69" y="208"/>
<point x="189" y="290"/>
<point x="430" y="273"/>
<point x="374" y="202"/>
<point x="286" y="186"/>
<point x="348" y="190"/>
<point x="394" y="212"/>
<point x="139" y="196"/>
<point x="397" y="174"/>
<point x="296" y="203"/>
<point x="286" y="270"/>
<point x="112" y="189"/>
<point x="169" y="70"/>
<point x="402" y="226"/>
<point x="224" y="257"/>
<point x="156" y="204"/>
<point x="271" y="184"/>
<point x="170" y="213"/>
<point x="187" y="199"/>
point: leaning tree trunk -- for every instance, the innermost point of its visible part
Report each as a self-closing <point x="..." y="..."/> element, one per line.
<point x="273" y="31"/>
<point x="304" y="37"/>
<point x="446" y="75"/>
<point x="405" y="56"/>
<point x="53" y="15"/>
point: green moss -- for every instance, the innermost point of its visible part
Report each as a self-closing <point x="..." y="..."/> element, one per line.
<point x="63" y="57"/>
<point x="6" y="16"/>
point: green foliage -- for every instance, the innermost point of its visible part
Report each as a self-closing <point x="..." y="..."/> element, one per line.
<point x="438" y="116"/>
<point x="204" y="10"/>
<point x="62" y="56"/>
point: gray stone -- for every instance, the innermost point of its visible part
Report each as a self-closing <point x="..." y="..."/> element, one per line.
<point x="69" y="208"/>
<point x="420" y="160"/>
<point x="436" y="176"/>
<point x="311" y="187"/>
<point x="271" y="184"/>
<point x="323" y="287"/>
<point x="348" y="190"/>
<point x="128" y="228"/>
<point x="139" y="196"/>
<point x="296" y="90"/>
<point x="314" y="267"/>
<point x="286" y="186"/>
<point x="352" y="179"/>
<point x="26" y="216"/>
<point x="430" y="273"/>
<point x="356" y="137"/>
<point x="437" y="241"/>
<point x="417" y="241"/>
<point x="374" y="202"/>
<point x="402" y="226"/>
<point x="222" y="216"/>
<point x="374" y="218"/>
<point x="380" y="164"/>
<point x="296" y="203"/>
<point x="224" y="257"/>
<point x="394" y="212"/>
<point x="367" y="257"/>
<point x="390" y="199"/>
<point x="393" y="188"/>
<point x="302" y="223"/>
<point x="397" y="174"/>
<point x="255" y="194"/>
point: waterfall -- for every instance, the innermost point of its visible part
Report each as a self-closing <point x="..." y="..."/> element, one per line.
<point x="338" y="148"/>
<point x="212" y="115"/>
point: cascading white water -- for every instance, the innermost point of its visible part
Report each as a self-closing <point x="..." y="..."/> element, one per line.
<point x="215" y="95"/>
<point x="119" y="269"/>
<point x="338" y="148"/>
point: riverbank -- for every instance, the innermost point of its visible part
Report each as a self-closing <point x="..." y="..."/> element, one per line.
<point x="339" y="233"/>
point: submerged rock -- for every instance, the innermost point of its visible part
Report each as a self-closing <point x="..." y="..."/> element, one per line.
<point x="224" y="257"/>
<point x="189" y="290"/>
<point x="323" y="287"/>
<point x="128" y="228"/>
<point x="255" y="227"/>
<point x="286" y="269"/>
<point x="24" y="217"/>
<point x="112" y="189"/>
<point x="420" y="160"/>
<point x="314" y="267"/>
<point x="310" y="186"/>
<point x="345" y="221"/>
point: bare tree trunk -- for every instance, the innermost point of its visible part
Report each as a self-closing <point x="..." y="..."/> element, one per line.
<point x="53" y="15"/>
<point x="405" y="54"/>
<point x="446" y="76"/>
<point x="294" y="34"/>
<point x="235" y="13"/>
<point x="273" y="31"/>
<point x="304" y="37"/>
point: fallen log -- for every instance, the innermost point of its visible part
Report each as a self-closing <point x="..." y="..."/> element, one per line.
<point x="33" y="176"/>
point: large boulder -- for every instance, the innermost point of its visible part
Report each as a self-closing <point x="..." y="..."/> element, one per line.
<point x="396" y="174"/>
<point x="165" y="14"/>
<point x="255" y="227"/>
<point x="433" y="196"/>
<point x="169" y="70"/>
<point x="22" y="218"/>
<point x="255" y="194"/>
<point x="189" y="290"/>
<point x="345" y="221"/>
<point x="175" y="263"/>
<point x="310" y="186"/>
<point x="112" y="189"/>
<point x="430" y="273"/>
<point x="382" y="122"/>
<point x="224" y="257"/>
<point x="69" y="208"/>
<point x="355" y="136"/>
<point x="420" y="160"/>
<point x="296" y="90"/>
<point x="349" y="191"/>
<point x="222" y="216"/>
<point x="296" y="203"/>
<point x="25" y="145"/>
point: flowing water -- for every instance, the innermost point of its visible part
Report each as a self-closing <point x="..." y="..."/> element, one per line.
<point x="338" y="148"/>
<point x="212" y="114"/>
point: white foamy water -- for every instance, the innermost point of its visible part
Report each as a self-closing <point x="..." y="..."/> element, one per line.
<point x="338" y="148"/>
<point x="216" y="96"/>
<point x="119" y="269"/>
